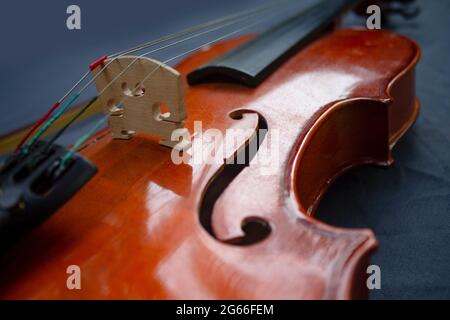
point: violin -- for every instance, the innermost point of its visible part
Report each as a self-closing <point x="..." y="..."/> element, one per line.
<point x="205" y="182"/>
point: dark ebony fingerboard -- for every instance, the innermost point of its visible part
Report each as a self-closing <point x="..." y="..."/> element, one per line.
<point x="251" y="63"/>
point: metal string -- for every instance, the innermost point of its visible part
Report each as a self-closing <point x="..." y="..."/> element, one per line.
<point x="219" y="23"/>
<point x="84" y="138"/>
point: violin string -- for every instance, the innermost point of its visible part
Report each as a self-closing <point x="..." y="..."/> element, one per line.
<point x="123" y="71"/>
<point x="71" y="101"/>
<point x="85" y="137"/>
<point x="81" y="142"/>
<point x="153" y="51"/>
<point x="175" y="57"/>
<point x="42" y="149"/>
<point x="49" y="112"/>
<point x="219" y="23"/>
<point x="259" y="10"/>
<point x="190" y="37"/>
<point x="69" y="123"/>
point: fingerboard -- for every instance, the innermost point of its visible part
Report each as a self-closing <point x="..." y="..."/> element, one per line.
<point x="251" y="63"/>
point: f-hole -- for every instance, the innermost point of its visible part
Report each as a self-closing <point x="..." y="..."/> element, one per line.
<point x="255" y="229"/>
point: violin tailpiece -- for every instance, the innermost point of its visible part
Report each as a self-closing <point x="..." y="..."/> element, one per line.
<point x="32" y="189"/>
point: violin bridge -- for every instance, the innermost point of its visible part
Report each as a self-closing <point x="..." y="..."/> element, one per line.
<point x="142" y="95"/>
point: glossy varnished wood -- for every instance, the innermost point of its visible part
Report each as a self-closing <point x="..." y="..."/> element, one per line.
<point x="134" y="229"/>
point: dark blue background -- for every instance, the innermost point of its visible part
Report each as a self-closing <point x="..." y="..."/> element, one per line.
<point x="408" y="206"/>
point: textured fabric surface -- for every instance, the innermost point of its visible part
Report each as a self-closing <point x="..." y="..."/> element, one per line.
<point x="408" y="205"/>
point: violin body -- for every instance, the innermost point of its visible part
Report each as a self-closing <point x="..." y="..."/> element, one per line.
<point x="146" y="228"/>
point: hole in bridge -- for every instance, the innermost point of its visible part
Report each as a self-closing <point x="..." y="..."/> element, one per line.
<point x="138" y="90"/>
<point x="113" y="107"/>
<point x="161" y="111"/>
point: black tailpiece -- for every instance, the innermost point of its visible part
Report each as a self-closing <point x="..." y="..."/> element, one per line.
<point x="33" y="187"/>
